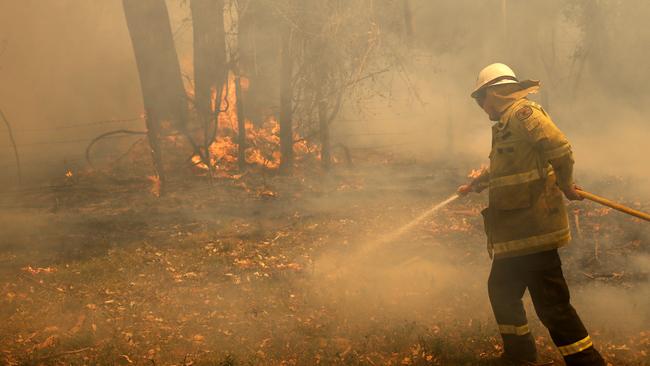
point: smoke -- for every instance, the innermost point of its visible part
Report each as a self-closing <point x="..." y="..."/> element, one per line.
<point x="591" y="85"/>
<point x="65" y="63"/>
<point x="598" y="301"/>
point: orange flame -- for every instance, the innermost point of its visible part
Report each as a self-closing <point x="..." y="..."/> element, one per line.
<point x="262" y="142"/>
<point x="155" y="185"/>
<point x="475" y="173"/>
<point x="198" y="162"/>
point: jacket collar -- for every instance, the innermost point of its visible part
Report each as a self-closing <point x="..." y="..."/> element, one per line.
<point x="505" y="117"/>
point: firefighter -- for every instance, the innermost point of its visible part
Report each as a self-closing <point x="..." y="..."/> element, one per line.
<point x="531" y="169"/>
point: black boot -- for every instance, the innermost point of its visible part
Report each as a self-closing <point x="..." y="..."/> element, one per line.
<point x="588" y="357"/>
<point x="507" y="360"/>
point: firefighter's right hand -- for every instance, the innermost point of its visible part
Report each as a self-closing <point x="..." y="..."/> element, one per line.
<point x="572" y="194"/>
<point x="464" y="190"/>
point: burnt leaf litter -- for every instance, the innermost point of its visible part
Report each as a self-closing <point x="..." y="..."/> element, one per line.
<point x="233" y="272"/>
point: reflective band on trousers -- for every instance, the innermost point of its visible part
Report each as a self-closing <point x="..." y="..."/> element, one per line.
<point x="558" y="152"/>
<point x="514" y="329"/>
<point x="519" y="178"/>
<point x="531" y="242"/>
<point x="579" y="346"/>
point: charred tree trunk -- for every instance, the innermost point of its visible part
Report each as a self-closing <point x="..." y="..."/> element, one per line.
<point x="153" y="135"/>
<point x="258" y="61"/>
<point x="241" y="126"/>
<point x="160" y="75"/>
<point x="155" y="54"/>
<point x="286" y="102"/>
<point x="210" y="68"/>
<point x="13" y="144"/>
<point x="593" y="56"/>
<point x="324" y="129"/>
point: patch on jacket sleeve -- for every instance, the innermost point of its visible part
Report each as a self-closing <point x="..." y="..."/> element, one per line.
<point x="524" y="112"/>
<point x="532" y="125"/>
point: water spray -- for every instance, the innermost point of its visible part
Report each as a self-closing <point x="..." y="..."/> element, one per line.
<point x="399" y="232"/>
<point x="387" y="238"/>
<point x="340" y="269"/>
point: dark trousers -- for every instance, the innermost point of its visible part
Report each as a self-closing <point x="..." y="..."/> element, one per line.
<point x="541" y="274"/>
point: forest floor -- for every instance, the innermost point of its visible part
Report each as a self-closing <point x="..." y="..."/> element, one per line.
<point x="288" y="271"/>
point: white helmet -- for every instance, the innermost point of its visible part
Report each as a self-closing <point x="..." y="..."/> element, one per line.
<point x="494" y="74"/>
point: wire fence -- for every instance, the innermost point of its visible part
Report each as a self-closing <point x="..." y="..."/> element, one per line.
<point x="81" y="125"/>
<point x="30" y="147"/>
<point x="38" y="145"/>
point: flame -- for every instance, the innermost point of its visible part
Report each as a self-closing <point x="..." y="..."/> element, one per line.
<point x="155" y="185"/>
<point x="68" y="173"/>
<point x="198" y="162"/>
<point x="475" y="173"/>
<point x="262" y="142"/>
<point x="245" y="83"/>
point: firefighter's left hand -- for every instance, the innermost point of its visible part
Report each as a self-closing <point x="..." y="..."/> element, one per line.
<point x="572" y="194"/>
<point x="464" y="190"/>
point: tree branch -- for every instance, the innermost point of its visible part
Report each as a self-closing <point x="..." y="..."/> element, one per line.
<point x="13" y="143"/>
<point x="107" y="134"/>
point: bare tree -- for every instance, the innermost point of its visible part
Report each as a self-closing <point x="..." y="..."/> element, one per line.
<point x="258" y="57"/>
<point x="160" y="76"/>
<point x="210" y="69"/>
<point x="241" y="125"/>
<point x="286" y="101"/>
<point x="155" y="54"/>
<point x="338" y="53"/>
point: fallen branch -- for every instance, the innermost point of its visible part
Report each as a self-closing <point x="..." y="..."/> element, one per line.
<point x="13" y="143"/>
<point x="65" y="353"/>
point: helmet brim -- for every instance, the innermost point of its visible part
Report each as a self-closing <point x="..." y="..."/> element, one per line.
<point x="487" y="85"/>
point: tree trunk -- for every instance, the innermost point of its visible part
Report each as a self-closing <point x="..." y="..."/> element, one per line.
<point x="155" y="54"/>
<point x="210" y="68"/>
<point x="408" y="22"/>
<point x="241" y="126"/>
<point x="286" y="103"/>
<point x="13" y="144"/>
<point x="258" y="44"/>
<point x="160" y="75"/>
<point x="324" y="129"/>
<point x="153" y="135"/>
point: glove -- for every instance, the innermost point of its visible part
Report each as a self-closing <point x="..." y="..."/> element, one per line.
<point x="464" y="190"/>
<point x="571" y="193"/>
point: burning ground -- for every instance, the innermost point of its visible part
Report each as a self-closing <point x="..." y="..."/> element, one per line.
<point x="265" y="269"/>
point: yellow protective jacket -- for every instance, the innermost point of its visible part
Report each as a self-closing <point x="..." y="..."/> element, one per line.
<point x="530" y="159"/>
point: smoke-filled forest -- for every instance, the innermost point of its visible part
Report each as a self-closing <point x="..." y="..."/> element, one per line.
<point x="273" y="182"/>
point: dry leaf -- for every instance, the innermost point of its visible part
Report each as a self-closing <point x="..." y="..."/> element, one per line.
<point x="77" y="326"/>
<point x="126" y="358"/>
<point x="37" y="270"/>
<point x="198" y="338"/>
<point x="47" y="343"/>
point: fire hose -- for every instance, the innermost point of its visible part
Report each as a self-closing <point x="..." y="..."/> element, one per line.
<point x="614" y="205"/>
<point x="590" y="196"/>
